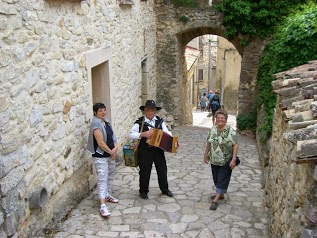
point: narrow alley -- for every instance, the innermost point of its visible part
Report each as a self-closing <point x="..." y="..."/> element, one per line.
<point x="240" y="214"/>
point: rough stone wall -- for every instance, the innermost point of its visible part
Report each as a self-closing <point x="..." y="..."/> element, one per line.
<point x="249" y="67"/>
<point x="291" y="174"/>
<point x="45" y="97"/>
<point x="172" y="36"/>
<point x="286" y="185"/>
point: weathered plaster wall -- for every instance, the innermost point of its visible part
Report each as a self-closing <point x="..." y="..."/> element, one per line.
<point x="46" y="97"/>
<point x="228" y="74"/>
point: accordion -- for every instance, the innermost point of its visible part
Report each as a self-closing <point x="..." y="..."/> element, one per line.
<point x="163" y="140"/>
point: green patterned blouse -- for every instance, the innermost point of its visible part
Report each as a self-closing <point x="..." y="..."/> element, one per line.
<point x="221" y="145"/>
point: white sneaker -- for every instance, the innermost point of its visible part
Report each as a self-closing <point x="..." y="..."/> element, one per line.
<point x="112" y="199"/>
<point x="104" y="212"/>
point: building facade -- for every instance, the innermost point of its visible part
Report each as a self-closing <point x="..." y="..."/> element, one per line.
<point x="57" y="58"/>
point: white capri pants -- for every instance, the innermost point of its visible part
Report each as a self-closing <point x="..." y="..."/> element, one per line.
<point x="105" y="168"/>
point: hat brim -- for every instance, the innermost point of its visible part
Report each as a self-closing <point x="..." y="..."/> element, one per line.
<point x="142" y="108"/>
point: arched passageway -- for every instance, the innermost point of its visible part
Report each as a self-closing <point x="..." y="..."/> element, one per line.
<point x="172" y="37"/>
<point x="213" y="64"/>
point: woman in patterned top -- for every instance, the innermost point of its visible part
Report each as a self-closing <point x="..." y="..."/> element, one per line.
<point x="221" y="151"/>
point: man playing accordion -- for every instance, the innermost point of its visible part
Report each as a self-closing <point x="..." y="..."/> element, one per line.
<point x="148" y="154"/>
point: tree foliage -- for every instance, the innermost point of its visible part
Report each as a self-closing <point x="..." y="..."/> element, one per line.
<point x="294" y="43"/>
<point x="254" y="18"/>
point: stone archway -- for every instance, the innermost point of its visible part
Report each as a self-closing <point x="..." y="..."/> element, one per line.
<point x="172" y="36"/>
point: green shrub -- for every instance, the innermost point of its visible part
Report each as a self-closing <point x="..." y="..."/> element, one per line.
<point x="247" y="121"/>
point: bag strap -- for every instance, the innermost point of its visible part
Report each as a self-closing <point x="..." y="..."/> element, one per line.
<point x="137" y="144"/>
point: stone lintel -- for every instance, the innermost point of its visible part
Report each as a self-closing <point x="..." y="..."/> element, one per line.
<point x="300" y="125"/>
<point x="307" y="148"/>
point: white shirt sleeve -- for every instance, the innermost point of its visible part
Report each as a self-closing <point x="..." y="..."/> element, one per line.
<point x="134" y="133"/>
<point x="164" y="128"/>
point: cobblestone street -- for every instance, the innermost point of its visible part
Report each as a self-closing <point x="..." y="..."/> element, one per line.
<point x="187" y="214"/>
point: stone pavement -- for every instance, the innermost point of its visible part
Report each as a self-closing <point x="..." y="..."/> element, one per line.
<point x="187" y="214"/>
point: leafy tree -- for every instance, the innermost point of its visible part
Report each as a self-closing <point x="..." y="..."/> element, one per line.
<point x="293" y="44"/>
<point x="254" y="18"/>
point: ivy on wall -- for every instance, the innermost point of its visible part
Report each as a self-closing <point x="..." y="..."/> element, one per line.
<point x="291" y="26"/>
<point x="254" y="18"/>
<point x="294" y="43"/>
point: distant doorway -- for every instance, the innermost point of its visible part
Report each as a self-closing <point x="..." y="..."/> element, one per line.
<point x="98" y="64"/>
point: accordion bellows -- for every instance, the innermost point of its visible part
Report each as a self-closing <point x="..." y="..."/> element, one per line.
<point x="163" y="140"/>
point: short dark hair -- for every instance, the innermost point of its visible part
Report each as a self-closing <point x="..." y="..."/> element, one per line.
<point x="222" y="112"/>
<point x="98" y="106"/>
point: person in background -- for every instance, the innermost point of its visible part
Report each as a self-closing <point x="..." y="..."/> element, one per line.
<point x="221" y="151"/>
<point x="215" y="104"/>
<point x="210" y="94"/>
<point x="148" y="154"/>
<point x="102" y="144"/>
<point x="203" y="102"/>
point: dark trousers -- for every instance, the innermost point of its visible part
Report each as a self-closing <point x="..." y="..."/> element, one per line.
<point x="221" y="176"/>
<point x="146" y="157"/>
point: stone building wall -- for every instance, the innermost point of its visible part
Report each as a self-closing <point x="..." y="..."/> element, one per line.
<point x="52" y="53"/>
<point x="251" y="57"/>
<point x="228" y="74"/>
<point x="172" y="36"/>
<point x="291" y="172"/>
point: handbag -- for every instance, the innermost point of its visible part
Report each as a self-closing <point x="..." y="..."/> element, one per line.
<point x="130" y="152"/>
<point x="237" y="161"/>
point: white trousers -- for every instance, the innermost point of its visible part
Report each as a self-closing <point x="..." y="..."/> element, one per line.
<point x="105" y="168"/>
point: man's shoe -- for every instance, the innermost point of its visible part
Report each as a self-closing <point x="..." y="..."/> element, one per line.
<point x="168" y="193"/>
<point x="144" y="196"/>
